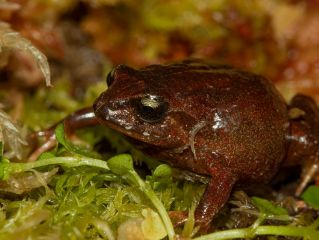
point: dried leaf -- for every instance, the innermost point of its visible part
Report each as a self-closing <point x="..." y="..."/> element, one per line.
<point x="11" y="136"/>
<point x="26" y="181"/>
<point x="11" y="40"/>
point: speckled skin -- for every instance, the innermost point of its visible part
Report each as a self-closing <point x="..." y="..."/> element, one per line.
<point x="245" y="119"/>
<point x="222" y="122"/>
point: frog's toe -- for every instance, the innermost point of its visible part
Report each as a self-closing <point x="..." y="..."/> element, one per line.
<point x="178" y="217"/>
<point x="49" y="144"/>
<point x="310" y="171"/>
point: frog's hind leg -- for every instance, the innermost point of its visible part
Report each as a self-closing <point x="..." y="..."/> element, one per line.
<point x="82" y="118"/>
<point x="304" y="139"/>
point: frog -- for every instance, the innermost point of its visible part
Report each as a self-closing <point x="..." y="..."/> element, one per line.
<point x="215" y="120"/>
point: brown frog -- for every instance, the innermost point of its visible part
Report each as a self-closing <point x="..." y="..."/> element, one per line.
<point x="213" y="120"/>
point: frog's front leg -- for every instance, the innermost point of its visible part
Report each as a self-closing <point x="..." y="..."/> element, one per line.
<point x="80" y="119"/>
<point x="215" y="196"/>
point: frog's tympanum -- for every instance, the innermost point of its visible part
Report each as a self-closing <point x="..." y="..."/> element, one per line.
<point x="215" y="120"/>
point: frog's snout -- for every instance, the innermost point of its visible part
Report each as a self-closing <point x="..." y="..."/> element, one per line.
<point x="100" y="110"/>
<point x="100" y="107"/>
<point x="105" y="113"/>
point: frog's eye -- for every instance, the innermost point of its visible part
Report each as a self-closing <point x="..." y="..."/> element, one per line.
<point x="151" y="108"/>
<point x="110" y="78"/>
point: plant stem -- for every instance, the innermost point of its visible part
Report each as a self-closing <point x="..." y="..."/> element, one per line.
<point x="292" y="231"/>
<point x="65" y="161"/>
<point x="146" y="188"/>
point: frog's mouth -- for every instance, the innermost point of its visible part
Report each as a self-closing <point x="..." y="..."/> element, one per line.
<point x="139" y="140"/>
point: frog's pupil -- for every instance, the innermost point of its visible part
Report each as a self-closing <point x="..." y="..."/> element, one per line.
<point x="151" y="109"/>
<point x="147" y="110"/>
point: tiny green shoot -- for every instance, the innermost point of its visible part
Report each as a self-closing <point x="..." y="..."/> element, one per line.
<point x="311" y="196"/>
<point x="268" y="207"/>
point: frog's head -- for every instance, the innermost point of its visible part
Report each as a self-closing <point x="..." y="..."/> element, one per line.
<point x="142" y="104"/>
